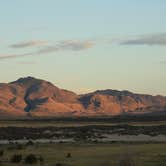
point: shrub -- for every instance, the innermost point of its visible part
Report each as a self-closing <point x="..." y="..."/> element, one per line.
<point x="41" y="159"/>
<point x="58" y="164"/>
<point x="20" y="147"/>
<point x="16" y="158"/>
<point x="127" y="160"/>
<point x="30" y="143"/>
<point x="31" y="159"/>
<point x="68" y="155"/>
<point x="1" y="153"/>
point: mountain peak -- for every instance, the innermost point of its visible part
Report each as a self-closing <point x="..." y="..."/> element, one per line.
<point x="27" y="80"/>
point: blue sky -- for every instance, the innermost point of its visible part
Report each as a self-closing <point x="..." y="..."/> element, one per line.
<point x="84" y="45"/>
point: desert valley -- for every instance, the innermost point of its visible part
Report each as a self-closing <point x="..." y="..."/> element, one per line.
<point x="82" y="83"/>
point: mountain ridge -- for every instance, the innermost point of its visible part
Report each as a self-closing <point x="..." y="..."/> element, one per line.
<point x="29" y="96"/>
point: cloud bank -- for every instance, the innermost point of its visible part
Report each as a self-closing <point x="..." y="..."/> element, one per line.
<point x="151" y="39"/>
<point x="67" y="45"/>
<point x="158" y="39"/>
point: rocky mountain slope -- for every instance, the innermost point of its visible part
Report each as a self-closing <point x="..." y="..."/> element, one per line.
<point x="34" y="97"/>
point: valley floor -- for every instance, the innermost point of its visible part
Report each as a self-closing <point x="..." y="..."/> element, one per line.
<point x="64" y="143"/>
<point x="89" y="154"/>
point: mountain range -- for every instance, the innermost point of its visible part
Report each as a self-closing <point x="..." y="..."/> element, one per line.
<point x="39" y="98"/>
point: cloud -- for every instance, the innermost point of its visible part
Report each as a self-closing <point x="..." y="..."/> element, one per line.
<point x="10" y="56"/>
<point x="75" y="45"/>
<point x="28" y="44"/>
<point x="79" y="45"/>
<point x="163" y="62"/>
<point x="151" y="39"/>
<point x="68" y="45"/>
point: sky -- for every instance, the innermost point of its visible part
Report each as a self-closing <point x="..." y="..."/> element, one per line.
<point x="85" y="45"/>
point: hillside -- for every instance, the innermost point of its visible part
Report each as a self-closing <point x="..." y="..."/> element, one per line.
<point x="34" y="97"/>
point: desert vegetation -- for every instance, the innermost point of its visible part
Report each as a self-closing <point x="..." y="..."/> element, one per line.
<point x="116" y="154"/>
<point x="80" y="133"/>
<point x="82" y="145"/>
